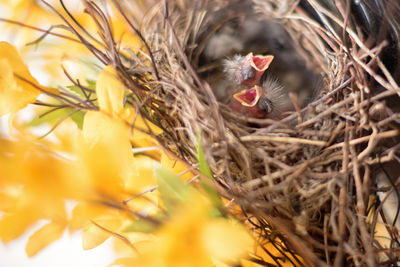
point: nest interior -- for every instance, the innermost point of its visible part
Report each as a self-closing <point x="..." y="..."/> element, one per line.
<point x="313" y="184"/>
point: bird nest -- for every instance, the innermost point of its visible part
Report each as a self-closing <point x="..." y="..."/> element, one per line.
<point x="307" y="182"/>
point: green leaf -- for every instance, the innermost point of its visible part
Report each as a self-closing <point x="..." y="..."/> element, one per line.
<point x="141" y="225"/>
<point x="146" y="226"/>
<point x="56" y="115"/>
<point x="173" y="190"/>
<point x="76" y="91"/>
<point x="78" y="118"/>
<point x="212" y="193"/>
<point x="204" y="169"/>
<point x="91" y="84"/>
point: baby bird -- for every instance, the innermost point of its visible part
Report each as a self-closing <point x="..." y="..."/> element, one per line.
<point x="256" y="99"/>
<point x="269" y="100"/>
<point x="246" y="70"/>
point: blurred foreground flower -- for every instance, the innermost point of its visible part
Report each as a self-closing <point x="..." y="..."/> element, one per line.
<point x="193" y="234"/>
<point x="101" y="153"/>
<point x="159" y="217"/>
<point x="14" y="92"/>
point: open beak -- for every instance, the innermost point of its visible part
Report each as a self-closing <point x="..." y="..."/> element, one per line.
<point x="254" y="68"/>
<point x="259" y="62"/>
<point x="249" y="97"/>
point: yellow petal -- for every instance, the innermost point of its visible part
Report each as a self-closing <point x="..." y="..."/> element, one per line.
<point x="31" y="206"/>
<point x="15" y="93"/>
<point x="107" y="155"/>
<point x="142" y="243"/>
<point x="110" y="91"/>
<point x="220" y="264"/>
<point x="44" y="237"/>
<point x="14" y="225"/>
<point x="11" y="55"/>
<point x="142" y="182"/>
<point x="141" y="126"/>
<point x="247" y="263"/>
<point x="124" y="262"/>
<point x="7" y="202"/>
<point x="83" y="212"/>
<point x="23" y="88"/>
<point x="68" y="134"/>
<point x="101" y="128"/>
<point x="173" y="164"/>
<point x="142" y="177"/>
<point x="226" y="241"/>
<point x="96" y="233"/>
<point x="180" y="239"/>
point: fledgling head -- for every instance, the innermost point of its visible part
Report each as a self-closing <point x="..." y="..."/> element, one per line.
<point x="246" y="70"/>
<point x="267" y="101"/>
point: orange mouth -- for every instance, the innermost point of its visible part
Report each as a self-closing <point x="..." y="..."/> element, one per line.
<point x="259" y="62"/>
<point x="249" y="97"/>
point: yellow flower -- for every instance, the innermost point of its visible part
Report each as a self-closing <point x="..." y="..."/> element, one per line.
<point x="110" y="94"/>
<point x="44" y="236"/>
<point x="32" y="184"/>
<point x="193" y="238"/>
<point x="105" y="155"/>
<point x="106" y="162"/>
<point x="15" y="93"/>
<point x="99" y="230"/>
<point x="141" y="185"/>
<point x="30" y="12"/>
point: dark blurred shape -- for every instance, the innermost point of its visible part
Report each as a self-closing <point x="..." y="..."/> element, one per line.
<point x="375" y="20"/>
